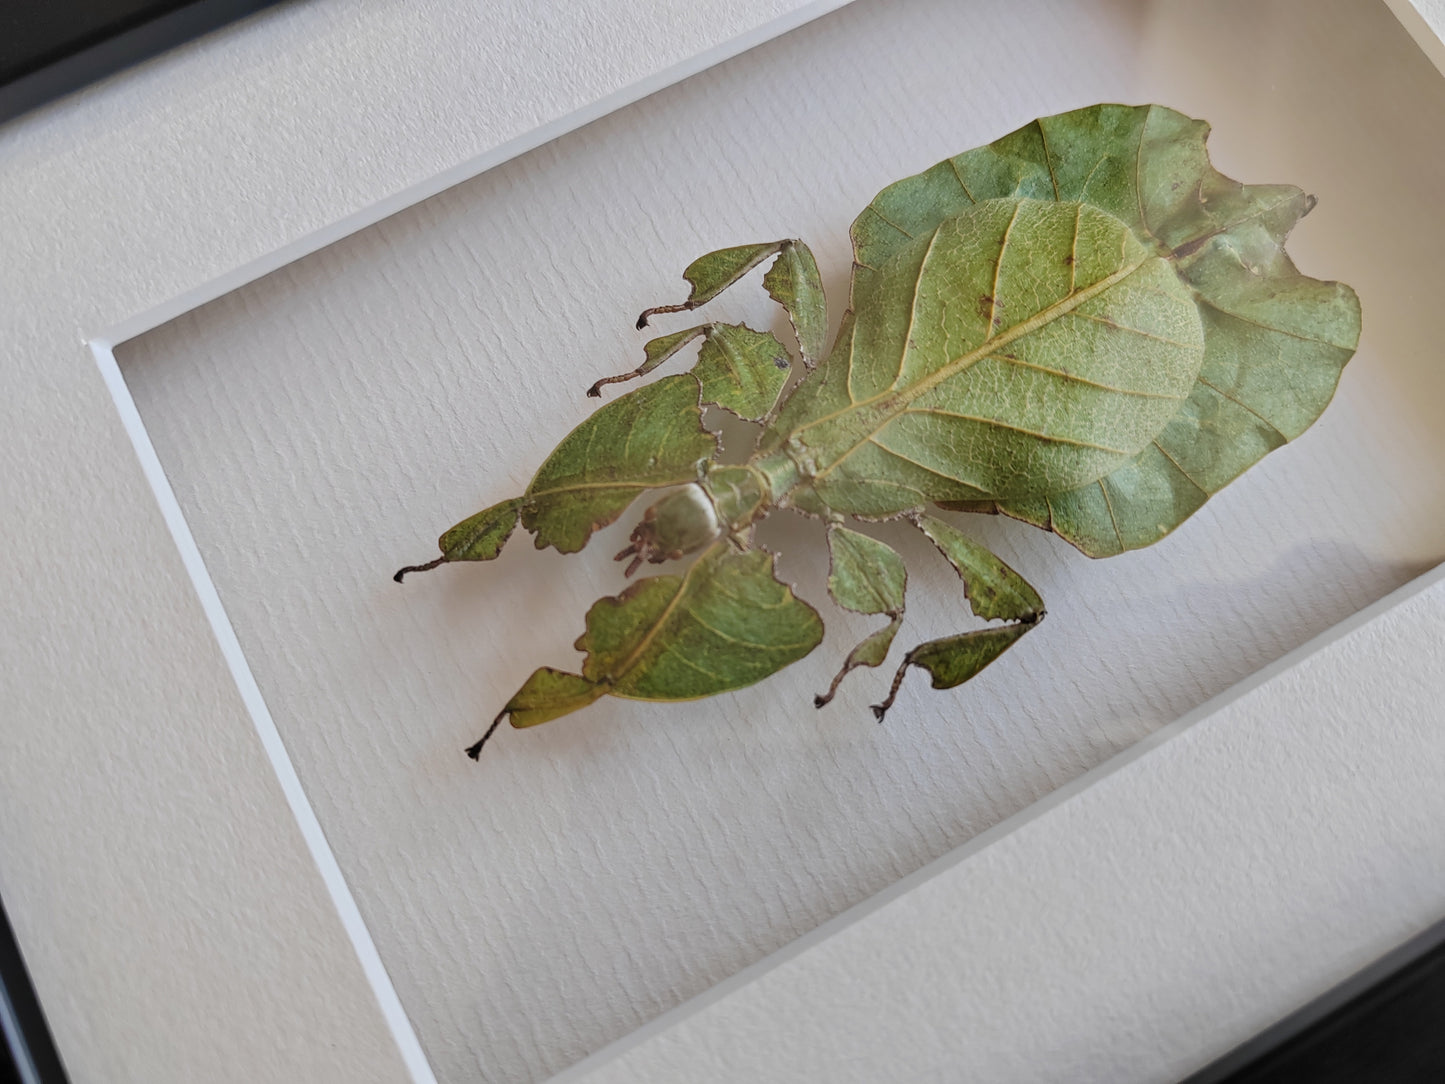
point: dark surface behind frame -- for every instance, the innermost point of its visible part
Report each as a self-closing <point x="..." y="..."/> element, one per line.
<point x="28" y="1054"/>
<point x="1384" y="1024"/>
<point x="51" y="48"/>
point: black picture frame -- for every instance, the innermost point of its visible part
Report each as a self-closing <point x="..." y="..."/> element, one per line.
<point x="28" y="1054"/>
<point x="1385" y="1023"/>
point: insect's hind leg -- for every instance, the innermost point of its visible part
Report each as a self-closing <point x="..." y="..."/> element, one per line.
<point x="994" y="591"/>
<point x="866" y="577"/>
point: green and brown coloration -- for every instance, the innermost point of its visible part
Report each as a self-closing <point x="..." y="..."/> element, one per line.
<point x="1082" y="325"/>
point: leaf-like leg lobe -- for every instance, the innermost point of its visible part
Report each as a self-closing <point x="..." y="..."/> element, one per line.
<point x="952" y="660"/>
<point x="794" y="283"/>
<point x="867" y="577"/>
<point x="710" y="275"/>
<point x="476" y="538"/>
<point x="650" y="438"/>
<point x="655" y="353"/>
<point x="548" y="694"/>
<point x="871" y="652"/>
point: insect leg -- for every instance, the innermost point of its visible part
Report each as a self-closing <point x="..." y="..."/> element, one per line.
<point x="793" y="282"/>
<point x="710" y="275"/>
<point x="866" y="577"/>
<point x="739" y="369"/>
<point x="657" y="351"/>
<point x="651" y="438"/>
<point x="477" y="538"/>
<point x="994" y="591"/>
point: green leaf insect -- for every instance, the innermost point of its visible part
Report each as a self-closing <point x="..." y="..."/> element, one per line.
<point x="1081" y="325"/>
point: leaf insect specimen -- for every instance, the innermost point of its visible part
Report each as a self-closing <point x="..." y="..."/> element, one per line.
<point x="1082" y="325"/>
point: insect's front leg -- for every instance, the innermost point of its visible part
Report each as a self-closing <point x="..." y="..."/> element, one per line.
<point x="476" y="538"/>
<point x="650" y="439"/>
<point x="994" y="591"/>
<point x="867" y="577"/>
<point x="793" y="282"/>
<point x="737" y="368"/>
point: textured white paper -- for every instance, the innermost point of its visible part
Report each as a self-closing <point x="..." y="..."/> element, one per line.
<point x="321" y="426"/>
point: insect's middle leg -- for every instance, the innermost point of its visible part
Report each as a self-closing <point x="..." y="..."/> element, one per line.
<point x="994" y="591"/>
<point x="866" y="577"/>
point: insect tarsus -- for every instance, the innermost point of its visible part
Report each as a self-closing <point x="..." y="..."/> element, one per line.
<point x="475" y="751"/>
<point x="418" y="568"/>
<point x="658" y="310"/>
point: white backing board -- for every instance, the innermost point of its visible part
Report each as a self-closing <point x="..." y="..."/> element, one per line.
<point x="323" y="423"/>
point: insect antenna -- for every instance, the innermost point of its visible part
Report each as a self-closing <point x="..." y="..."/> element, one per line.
<point x="475" y="751"/>
<point x="636" y="560"/>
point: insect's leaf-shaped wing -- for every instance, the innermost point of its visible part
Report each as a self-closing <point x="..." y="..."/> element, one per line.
<point x="649" y="438"/>
<point x="1024" y="347"/>
<point x="1275" y="340"/>
<point x="1146" y="165"/>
